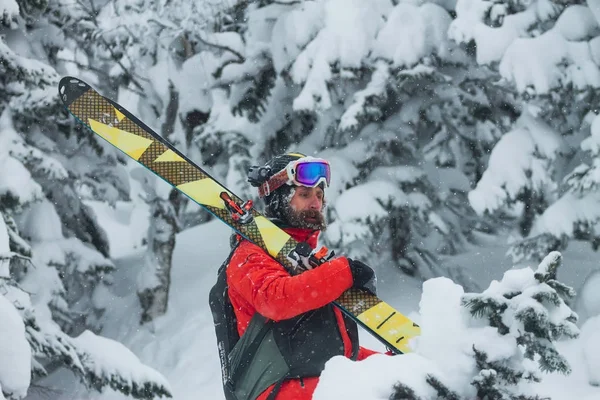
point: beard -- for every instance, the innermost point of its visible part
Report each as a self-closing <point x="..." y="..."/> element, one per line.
<point x="308" y="219"/>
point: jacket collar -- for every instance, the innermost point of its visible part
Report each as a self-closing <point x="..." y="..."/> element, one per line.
<point x="309" y="236"/>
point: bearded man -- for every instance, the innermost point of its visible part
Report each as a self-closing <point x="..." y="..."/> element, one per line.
<point x="286" y="321"/>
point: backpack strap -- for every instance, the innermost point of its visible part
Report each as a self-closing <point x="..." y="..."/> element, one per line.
<point x="276" y="389"/>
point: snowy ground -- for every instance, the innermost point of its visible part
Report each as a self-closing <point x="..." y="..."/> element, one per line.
<point x="181" y="345"/>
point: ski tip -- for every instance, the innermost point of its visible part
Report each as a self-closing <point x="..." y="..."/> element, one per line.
<point x="70" y="88"/>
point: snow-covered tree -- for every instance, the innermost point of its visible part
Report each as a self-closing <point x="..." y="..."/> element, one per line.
<point x="58" y="253"/>
<point x="31" y="338"/>
<point x="498" y="340"/>
<point x="404" y="124"/>
<point x="547" y="54"/>
<point x="498" y="344"/>
<point x="528" y="311"/>
<point x="142" y="54"/>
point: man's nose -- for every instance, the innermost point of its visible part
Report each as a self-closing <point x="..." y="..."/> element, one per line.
<point x="315" y="203"/>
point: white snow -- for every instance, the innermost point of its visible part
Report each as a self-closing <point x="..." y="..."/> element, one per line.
<point x="534" y="63"/>
<point x="588" y="297"/>
<point x="100" y="356"/>
<point x="9" y="9"/>
<point x="521" y="159"/>
<point x="374" y="377"/>
<point x="15" y="353"/>
<point x="440" y="311"/>
<point x="181" y="344"/>
<point x="594" y="6"/>
<point x="423" y="32"/>
<point x="491" y="42"/>
<point x="4" y="250"/>
<point x="349" y="28"/>
<point x="562" y="216"/>
<point x="376" y="87"/>
<point x="293" y="30"/>
<point x="577" y="23"/>
<point x="367" y="195"/>
<point x="592" y="143"/>
<point x="197" y="69"/>
<point x="42" y="223"/>
<point x="18" y="183"/>
<point x="591" y="349"/>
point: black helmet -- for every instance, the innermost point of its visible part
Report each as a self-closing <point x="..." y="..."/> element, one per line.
<point x="278" y="199"/>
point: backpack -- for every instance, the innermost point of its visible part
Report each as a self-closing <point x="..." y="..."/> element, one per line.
<point x="265" y="355"/>
<point x="225" y="323"/>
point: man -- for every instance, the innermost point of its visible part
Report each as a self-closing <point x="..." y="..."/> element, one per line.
<point x="287" y="325"/>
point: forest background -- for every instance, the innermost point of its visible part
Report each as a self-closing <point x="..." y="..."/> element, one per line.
<point x="463" y="135"/>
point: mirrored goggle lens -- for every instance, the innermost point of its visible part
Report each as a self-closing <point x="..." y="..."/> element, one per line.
<point x="310" y="173"/>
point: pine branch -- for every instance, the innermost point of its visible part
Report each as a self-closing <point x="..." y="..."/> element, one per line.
<point x="442" y="390"/>
<point x="504" y="373"/>
<point x="564" y="291"/>
<point x="240" y="57"/>
<point x="549" y="358"/>
<point x="549" y="297"/>
<point x="536" y="247"/>
<point x="255" y="99"/>
<point x="403" y="392"/>
<point x="92" y="13"/>
<point x="535" y="322"/>
<point x="480" y="306"/>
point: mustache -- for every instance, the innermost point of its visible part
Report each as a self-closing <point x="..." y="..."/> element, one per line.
<point x="313" y="214"/>
<point x="310" y="219"/>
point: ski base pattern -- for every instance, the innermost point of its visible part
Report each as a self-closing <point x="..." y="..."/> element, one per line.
<point x="130" y="135"/>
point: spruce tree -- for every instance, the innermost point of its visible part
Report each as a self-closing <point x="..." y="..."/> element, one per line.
<point x="527" y="307"/>
<point x="55" y="255"/>
<point x="405" y="127"/>
<point x="530" y="172"/>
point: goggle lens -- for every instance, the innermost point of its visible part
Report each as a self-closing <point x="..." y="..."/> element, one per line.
<point x="310" y="173"/>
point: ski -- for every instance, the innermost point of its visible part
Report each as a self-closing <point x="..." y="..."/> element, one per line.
<point x="123" y="130"/>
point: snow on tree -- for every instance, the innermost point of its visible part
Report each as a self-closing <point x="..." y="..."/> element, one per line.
<point x="130" y="60"/>
<point x="58" y="253"/>
<point x="520" y="170"/>
<point x="547" y="54"/>
<point x="15" y="375"/>
<point x="497" y="344"/>
<point x="502" y="338"/>
<point x="330" y="79"/>
<point x="575" y="214"/>
<point x="528" y="311"/>
<point x="32" y="338"/>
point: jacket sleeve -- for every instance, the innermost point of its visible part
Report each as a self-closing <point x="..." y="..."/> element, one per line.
<point x="277" y="295"/>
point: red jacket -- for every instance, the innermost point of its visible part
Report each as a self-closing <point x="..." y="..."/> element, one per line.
<point x="257" y="283"/>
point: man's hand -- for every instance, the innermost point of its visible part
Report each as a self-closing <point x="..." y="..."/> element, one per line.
<point x="363" y="275"/>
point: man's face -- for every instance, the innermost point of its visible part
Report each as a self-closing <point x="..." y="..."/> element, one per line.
<point x="306" y="208"/>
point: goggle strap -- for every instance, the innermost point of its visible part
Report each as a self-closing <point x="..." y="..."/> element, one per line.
<point x="274" y="183"/>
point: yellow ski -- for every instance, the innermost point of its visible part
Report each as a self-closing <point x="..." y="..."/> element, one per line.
<point x="130" y="135"/>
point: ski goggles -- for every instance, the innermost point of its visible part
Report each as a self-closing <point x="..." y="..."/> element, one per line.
<point x="308" y="171"/>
